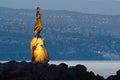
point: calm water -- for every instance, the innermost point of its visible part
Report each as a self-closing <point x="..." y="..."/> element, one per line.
<point x="103" y="68"/>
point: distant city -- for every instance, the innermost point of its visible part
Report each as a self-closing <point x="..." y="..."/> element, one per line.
<point x="68" y="35"/>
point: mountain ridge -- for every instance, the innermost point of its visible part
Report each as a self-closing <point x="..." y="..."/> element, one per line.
<point x="68" y="35"/>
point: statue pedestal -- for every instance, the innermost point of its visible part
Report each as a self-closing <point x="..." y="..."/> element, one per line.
<point x="38" y="50"/>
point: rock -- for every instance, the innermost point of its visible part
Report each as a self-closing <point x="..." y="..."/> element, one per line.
<point x="42" y="71"/>
<point x="38" y="50"/>
<point x="118" y="73"/>
<point x="114" y="77"/>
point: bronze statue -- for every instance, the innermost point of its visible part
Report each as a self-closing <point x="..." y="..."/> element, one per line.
<point x="38" y="25"/>
<point x="37" y="46"/>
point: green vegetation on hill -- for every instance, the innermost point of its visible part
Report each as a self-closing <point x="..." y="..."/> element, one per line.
<point x="68" y="35"/>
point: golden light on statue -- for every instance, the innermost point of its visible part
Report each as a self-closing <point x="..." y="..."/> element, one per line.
<point x="38" y="50"/>
<point x="37" y="46"/>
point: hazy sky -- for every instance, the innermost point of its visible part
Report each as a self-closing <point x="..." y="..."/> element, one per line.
<point x="87" y="6"/>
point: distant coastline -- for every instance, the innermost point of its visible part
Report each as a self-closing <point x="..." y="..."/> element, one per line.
<point x="80" y="36"/>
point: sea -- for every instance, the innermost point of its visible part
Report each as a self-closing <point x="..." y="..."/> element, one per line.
<point x="103" y="68"/>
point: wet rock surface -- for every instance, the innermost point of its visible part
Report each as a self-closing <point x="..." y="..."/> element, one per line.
<point x="13" y="70"/>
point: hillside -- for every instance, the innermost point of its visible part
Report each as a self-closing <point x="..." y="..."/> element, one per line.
<point x="68" y="35"/>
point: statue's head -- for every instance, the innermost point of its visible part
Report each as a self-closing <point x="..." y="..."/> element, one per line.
<point x="38" y="9"/>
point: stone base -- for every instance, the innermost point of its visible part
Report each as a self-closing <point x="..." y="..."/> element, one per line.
<point x="38" y="50"/>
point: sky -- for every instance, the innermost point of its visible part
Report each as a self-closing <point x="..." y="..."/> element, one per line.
<point x="107" y="7"/>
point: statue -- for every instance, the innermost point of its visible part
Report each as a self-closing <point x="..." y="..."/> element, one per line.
<point x="37" y="46"/>
<point x="38" y="25"/>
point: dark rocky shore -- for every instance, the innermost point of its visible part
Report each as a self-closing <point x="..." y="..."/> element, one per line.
<point x="36" y="71"/>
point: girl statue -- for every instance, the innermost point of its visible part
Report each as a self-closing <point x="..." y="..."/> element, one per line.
<point x="38" y="25"/>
